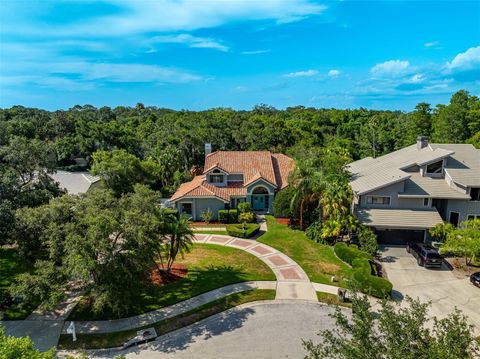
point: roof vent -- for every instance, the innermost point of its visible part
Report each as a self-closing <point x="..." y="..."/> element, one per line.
<point x="208" y="149"/>
<point x="422" y="142"/>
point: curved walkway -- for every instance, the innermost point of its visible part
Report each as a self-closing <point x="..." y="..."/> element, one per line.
<point x="292" y="284"/>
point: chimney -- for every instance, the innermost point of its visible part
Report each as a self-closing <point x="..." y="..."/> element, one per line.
<point x="422" y="142"/>
<point x="208" y="149"/>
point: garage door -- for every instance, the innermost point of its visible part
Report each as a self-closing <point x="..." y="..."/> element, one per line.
<point x="399" y="236"/>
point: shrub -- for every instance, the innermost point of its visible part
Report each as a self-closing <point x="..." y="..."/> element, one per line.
<point x="368" y="240"/>
<point x="207" y="215"/>
<point x="281" y="203"/>
<point x="244" y="207"/>
<point x="223" y="215"/>
<point x="362" y="271"/>
<point x="314" y="232"/>
<point x="236" y="230"/>
<point x="233" y="216"/>
<point x="246" y="217"/>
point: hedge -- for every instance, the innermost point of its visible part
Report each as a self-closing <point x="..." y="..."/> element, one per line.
<point x="236" y="230"/>
<point x="228" y="216"/>
<point x="362" y="271"/>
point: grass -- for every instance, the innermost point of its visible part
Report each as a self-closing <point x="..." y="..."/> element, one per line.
<point x="209" y="267"/>
<point x="225" y="233"/>
<point x="317" y="260"/>
<point x="331" y="299"/>
<point x="96" y="341"/>
<point x="11" y="265"/>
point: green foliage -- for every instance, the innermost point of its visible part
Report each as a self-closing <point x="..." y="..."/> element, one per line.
<point x="401" y="330"/>
<point x="246" y="217"/>
<point x="281" y="203"/>
<point x="121" y="170"/>
<point x="441" y="231"/>
<point x="228" y="215"/>
<point x="178" y="237"/>
<point x="233" y="216"/>
<point x="464" y="241"/>
<point x="21" y="348"/>
<point x="243" y="230"/>
<point x="223" y="215"/>
<point x="362" y="271"/>
<point x="368" y="240"/>
<point x="207" y="215"/>
<point x="314" y="232"/>
<point x="244" y="207"/>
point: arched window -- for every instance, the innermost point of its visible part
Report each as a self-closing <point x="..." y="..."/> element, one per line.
<point x="260" y="190"/>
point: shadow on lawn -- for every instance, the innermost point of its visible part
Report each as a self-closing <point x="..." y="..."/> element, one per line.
<point x="155" y="297"/>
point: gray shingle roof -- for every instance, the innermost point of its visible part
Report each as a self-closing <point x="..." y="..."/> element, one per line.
<point x="399" y="218"/>
<point x="419" y="186"/>
<point x="74" y="182"/>
<point x="464" y="165"/>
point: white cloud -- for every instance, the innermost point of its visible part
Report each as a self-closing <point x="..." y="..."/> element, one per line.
<point x="416" y="79"/>
<point x="334" y="73"/>
<point x="392" y="68"/>
<point x="135" y="17"/>
<point x="191" y="41"/>
<point x="431" y="44"/>
<point x="467" y="60"/>
<point x="307" y="73"/>
<point x="255" y="52"/>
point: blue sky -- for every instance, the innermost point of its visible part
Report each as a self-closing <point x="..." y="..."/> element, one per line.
<point x="237" y="53"/>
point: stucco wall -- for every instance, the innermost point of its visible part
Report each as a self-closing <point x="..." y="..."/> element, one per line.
<point x="201" y="204"/>
<point x="269" y="187"/>
<point x="411" y="203"/>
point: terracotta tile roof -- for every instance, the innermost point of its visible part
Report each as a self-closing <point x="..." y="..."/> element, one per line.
<point x="282" y="166"/>
<point x="254" y="165"/>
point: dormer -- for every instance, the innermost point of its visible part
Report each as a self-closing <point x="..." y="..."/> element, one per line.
<point x="434" y="169"/>
<point x="216" y="176"/>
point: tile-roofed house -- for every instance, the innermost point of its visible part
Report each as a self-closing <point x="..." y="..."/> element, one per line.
<point x="75" y="182"/>
<point x="232" y="177"/>
<point x="406" y="192"/>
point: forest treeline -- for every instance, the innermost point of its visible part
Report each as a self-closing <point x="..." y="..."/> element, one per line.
<point x="159" y="146"/>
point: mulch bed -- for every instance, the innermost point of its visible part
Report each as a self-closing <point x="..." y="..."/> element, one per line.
<point x="285" y="221"/>
<point x="177" y="272"/>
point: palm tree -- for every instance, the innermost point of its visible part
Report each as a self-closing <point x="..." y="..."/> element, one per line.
<point x="179" y="236"/>
<point x="306" y="182"/>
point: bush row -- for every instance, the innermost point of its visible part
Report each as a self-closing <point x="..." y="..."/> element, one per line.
<point x="362" y="271"/>
<point x="236" y="230"/>
<point x="228" y="215"/>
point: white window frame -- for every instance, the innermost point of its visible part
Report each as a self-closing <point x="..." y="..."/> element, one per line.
<point x="212" y="175"/>
<point x="428" y="202"/>
<point x="379" y="204"/>
<point x="475" y="216"/>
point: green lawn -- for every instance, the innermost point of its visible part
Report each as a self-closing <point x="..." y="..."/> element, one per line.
<point x="209" y="267"/>
<point x="331" y="299"/>
<point x="96" y="341"/>
<point x="12" y="265"/>
<point x="317" y="260"/>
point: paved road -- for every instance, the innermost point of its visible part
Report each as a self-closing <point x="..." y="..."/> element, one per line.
<point x="256" y="330"/>
<point x="440" y="286"/>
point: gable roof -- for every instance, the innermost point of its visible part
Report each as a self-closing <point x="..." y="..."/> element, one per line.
<point x="254" y="165"/>
<point x="74" y="182"/>
<point x="369" y="173"/>
<point x="463" y="166"/>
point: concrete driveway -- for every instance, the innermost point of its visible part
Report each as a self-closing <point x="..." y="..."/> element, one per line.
<point x="440" y="286"/>
<point x="256" y="330"/>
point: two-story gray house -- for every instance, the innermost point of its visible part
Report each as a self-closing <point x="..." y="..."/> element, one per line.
<point x="404" y="193"/>
<point x="232" y="177"/>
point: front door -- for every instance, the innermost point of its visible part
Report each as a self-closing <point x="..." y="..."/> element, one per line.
<point x="259" y="202"/>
